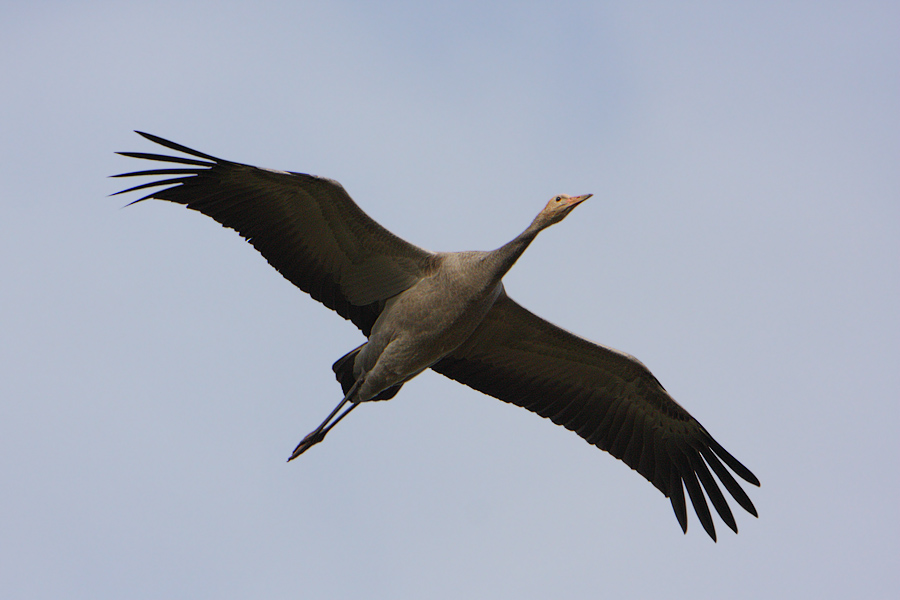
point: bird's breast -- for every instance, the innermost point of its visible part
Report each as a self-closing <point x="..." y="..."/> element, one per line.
<point x="433" y="317"/>
<point x="426" y="322"/>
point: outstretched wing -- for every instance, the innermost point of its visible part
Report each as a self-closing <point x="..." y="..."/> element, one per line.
<point x="607" y="397"/>
<point x="307" y="227"/>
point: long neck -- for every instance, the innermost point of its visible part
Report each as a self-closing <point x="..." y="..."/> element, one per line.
<point x="503" y="258"/>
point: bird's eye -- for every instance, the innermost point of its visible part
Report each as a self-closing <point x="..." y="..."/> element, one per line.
<point x="558" y="199"/>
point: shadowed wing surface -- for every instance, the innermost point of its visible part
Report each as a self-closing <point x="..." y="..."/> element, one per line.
<point x="609" y="398"/>
<point x="307" y="227"/>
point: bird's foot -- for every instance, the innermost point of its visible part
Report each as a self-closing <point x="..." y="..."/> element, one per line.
<point x="308" y="442"/>
<point x="318" y="434"/>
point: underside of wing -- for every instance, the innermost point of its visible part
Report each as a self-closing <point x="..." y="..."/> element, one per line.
<point x="307" y="227"/>
<point x="608" y="398"/>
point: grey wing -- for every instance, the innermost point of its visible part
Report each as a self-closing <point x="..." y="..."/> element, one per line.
<point x="607" y="397"/>
<point x="307" y="227"/>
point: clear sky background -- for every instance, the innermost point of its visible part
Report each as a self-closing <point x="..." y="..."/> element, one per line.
<point x="743" y="241"/>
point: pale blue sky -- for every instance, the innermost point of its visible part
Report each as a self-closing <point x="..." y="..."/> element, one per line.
<point x="743" y="242"/>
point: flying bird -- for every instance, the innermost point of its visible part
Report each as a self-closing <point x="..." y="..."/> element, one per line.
<point x="449" y="311"/>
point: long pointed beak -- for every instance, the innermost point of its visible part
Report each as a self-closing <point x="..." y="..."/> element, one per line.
<point x="573" y="202"/>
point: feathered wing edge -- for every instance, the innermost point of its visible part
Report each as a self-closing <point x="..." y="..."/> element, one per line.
<point x="307" y="227"/>
<point x="608" y="398"/>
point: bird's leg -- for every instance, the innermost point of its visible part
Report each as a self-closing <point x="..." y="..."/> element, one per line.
<point x="318" y="434"/>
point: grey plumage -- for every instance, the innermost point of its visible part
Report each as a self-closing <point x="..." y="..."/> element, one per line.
<point x="449" y="312"/>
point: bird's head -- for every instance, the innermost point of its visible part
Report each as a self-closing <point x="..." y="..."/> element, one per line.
<point x="557" y="209"/>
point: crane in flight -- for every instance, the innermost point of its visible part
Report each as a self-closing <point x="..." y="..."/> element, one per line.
<point x="449" y="311"/>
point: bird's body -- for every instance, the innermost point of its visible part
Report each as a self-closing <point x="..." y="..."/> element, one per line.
<point x="450" y="312"/>
<point x="426" y="322"/>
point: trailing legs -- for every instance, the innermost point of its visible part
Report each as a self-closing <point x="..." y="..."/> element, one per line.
<point x="318" y="434"/>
